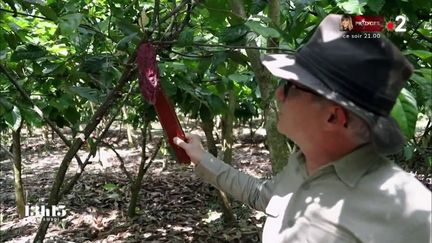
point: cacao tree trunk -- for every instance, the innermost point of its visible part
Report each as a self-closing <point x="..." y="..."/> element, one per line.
<point x="276" y="142"/>
<point x="19" y="189"/>
<point x="136" y="184"/>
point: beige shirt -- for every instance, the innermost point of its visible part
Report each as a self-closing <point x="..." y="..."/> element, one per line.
<point x="361" y="197"/>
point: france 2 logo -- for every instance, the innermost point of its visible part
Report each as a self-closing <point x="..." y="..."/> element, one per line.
<point x="400" y="26"/>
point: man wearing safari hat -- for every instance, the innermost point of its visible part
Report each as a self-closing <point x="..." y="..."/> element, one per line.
<point x="335" y="104"/>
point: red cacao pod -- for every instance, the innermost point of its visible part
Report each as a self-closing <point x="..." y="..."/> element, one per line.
<point x="153" y="93"/>
<point x="148" y="72"/>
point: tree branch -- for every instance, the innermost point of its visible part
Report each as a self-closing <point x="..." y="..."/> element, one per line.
<point x="39" y="111"/>
<point x="153" y="156"/>
<point x="426" y="38"/>
<point x="24" y="14"/>
<point x="11" y="156"/>
<point x="122" y="163"/>
<point x="227" y="46"/>
<point x="68" y="187"/>
<point x="174" y="11"/>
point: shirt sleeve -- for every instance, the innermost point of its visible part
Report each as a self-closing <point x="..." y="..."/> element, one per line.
<point x="248" y="189"/>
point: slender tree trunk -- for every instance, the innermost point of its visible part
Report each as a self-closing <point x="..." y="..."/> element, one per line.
<point x="136" y="185"/>
<point x="54" y="197"/>
<point x="208" y="126"/>
<point x="276" y="142"/>
<point x="45" y="135"/>
<point x="227" y="129"/>
<point x="19" y="189"/>
<point x="129" y="130"/>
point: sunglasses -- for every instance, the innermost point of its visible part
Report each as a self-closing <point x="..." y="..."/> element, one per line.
<point x="288" y="84"/>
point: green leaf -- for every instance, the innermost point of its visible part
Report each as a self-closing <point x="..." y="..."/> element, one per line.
<point x="240" y="78"/>
<point x="6" y="104"/>
<point x="69" y="23"/>
<point x="12" y="40"/>
<point x="426" y="72"/>
<point x="127" y="27"/>
<point x="262" y="30"/>
<point x="233" y="33"/>
<point x="405" y="112"/>
<point x="13" y="118"/>
<point x="408" y="152"/>
<point x="124" y="43"/>
<point x="95" y="64"/>
<point x="216" y="104"/>
<point x="238" y="57"/>
<point x="30" y="52"/>
<point x="257" y="6"/>
<point x="47" y="12"/>
<point x="376" y="5"/>
<point x="186" y="38"/>
<point x="423" y="54"/>
<point x="217" y="11"/>
<point x="86" y="92"/>
<point x="424" y="83"/>
<point x="110" y="187"/>
<point x="352" y="6"/>
<point x="31" y="117"/>
<point x="144" y="20"/>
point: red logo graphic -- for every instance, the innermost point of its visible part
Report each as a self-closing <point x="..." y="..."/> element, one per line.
<point x="368" y="23"/>
<point x="390" y="26"/>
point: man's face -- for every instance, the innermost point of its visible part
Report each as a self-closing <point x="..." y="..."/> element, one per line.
<point x="298" y="112"/>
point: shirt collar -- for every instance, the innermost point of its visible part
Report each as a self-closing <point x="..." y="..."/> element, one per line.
<point x="351" y="168"/>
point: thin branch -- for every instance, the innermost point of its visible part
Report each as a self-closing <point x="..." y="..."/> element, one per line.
<point x="24" y="14"/>
<point x="169" y="15"/>
<point x="7" y="152"/>
<point x="187" y="18"/>
<point x="428" y="129"/>
<point x="122" y="163"/>
<point x="174" y="11"/>
<point x="192" y="56"/>
<point x="426" y="38"/>
<point x="39" y="111"/>
<point x="225" y="46"/>
<point x="155" y="17"/>
<point x="68" y="187"/>
<point x="153" y="156"/>
<point x="414" y="31"/>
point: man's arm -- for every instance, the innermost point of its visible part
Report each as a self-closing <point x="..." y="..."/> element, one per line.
<point x="248" y="189"/>
<point x="243" y="187"/>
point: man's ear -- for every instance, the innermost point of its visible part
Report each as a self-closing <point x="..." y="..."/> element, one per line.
<point x="337" y="116"/>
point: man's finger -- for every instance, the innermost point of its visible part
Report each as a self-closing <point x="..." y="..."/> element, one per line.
<point x="179" y="142"/>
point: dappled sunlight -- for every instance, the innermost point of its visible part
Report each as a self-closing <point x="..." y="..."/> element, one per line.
<point x="174" y="203"/>
<point x="212" y="216"/>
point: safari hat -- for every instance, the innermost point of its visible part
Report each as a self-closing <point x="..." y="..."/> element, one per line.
<point x="364" y="75"/>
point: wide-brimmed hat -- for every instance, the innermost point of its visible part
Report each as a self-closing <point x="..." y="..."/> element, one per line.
<point x="363" y="72"/>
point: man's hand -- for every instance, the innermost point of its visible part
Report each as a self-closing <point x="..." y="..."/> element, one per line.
<point x="193" y="147"/>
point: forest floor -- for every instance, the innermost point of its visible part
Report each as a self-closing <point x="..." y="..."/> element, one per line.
<point x="174" y="204"/>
